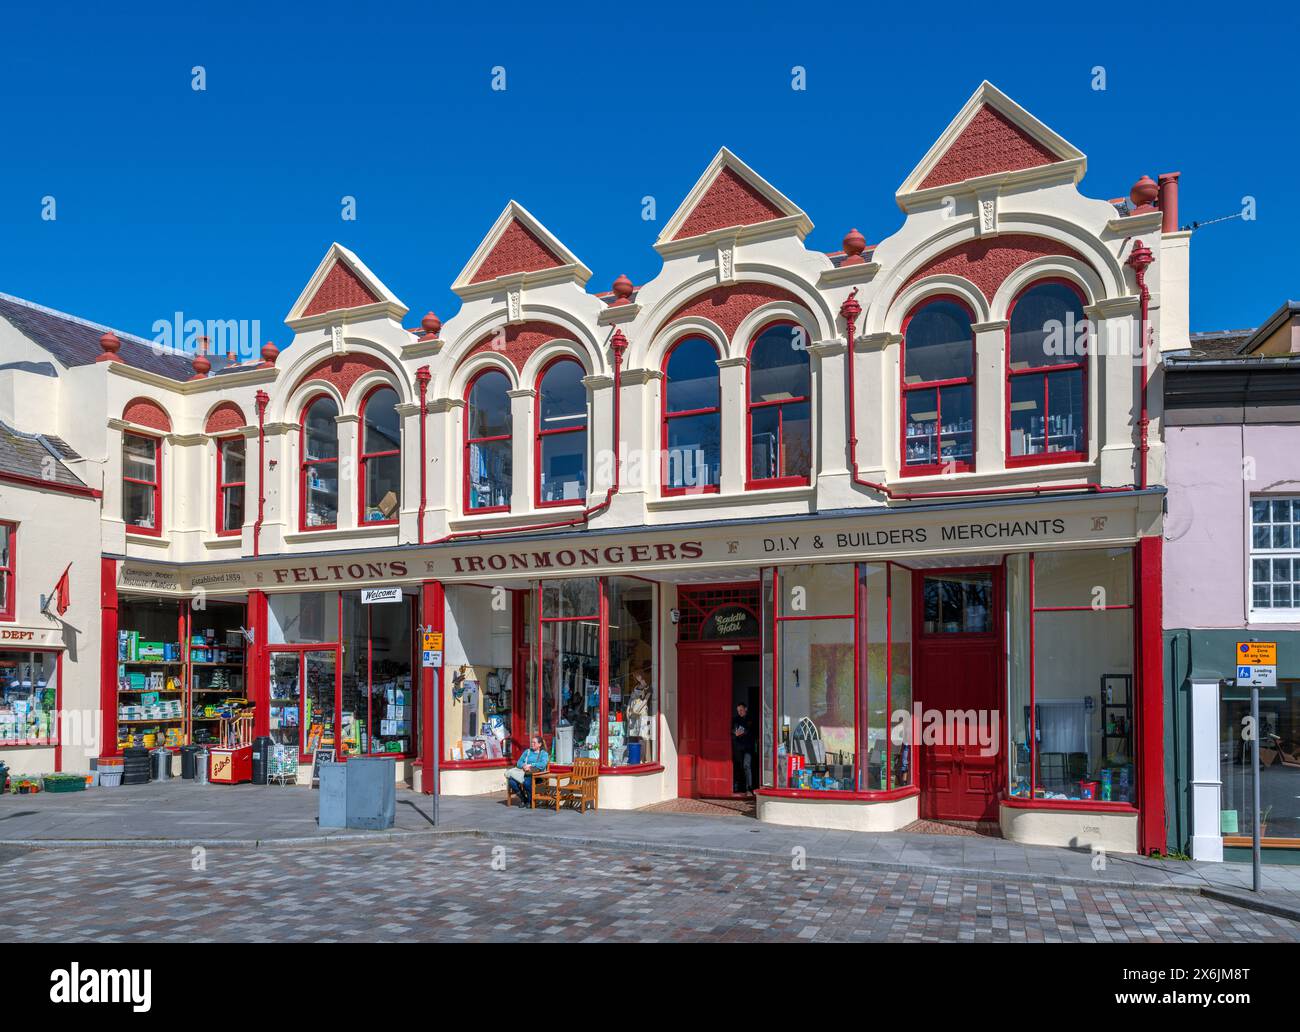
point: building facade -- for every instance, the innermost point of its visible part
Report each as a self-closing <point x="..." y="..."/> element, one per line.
<point x="903" y="501"/>
<point x="1232" y="575"/>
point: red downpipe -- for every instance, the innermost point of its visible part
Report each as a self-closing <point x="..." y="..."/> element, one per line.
<point x="618" y="344"/>
<point x="850" y="310"/>
<point x="422" y="377"/>
<point x="1139" y="260"/>
<point x="262" y="399"/>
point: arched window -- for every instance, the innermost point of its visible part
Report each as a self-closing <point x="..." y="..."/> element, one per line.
<point x="1047" y="355"/>
<point x="780" y="407"/>
<point x="381" y="457"/>
<point x="319" y="484"/>
<point x="692" y="434"/>
<point x="488" y="464"/>
<point x="939" y="389"/>
<point x="561" y="434"/>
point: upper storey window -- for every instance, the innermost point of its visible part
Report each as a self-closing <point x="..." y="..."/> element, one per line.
<point x="938" y="389"/>
<point x="488" y="462"/>
<point x="1047" y="348"/>
<point x="561" y="434"/>
<point x="692" y="421"/>
<point x="142" y="483"/>
<point x="780" y="407"/>
<point x="8" y="563"/>
<point x="231" y="480"/>
<point x="319" y="487"/>
<point x="381" y="456"/>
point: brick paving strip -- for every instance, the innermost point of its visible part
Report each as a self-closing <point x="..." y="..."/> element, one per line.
<point x="469" y="889"/>
<point x="180" y="814"/>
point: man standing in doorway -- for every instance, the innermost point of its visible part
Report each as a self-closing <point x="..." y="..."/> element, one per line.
<point x="742" y="745"/>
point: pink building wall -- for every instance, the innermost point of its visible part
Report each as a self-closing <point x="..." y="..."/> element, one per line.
<point x="1208" y="523"/>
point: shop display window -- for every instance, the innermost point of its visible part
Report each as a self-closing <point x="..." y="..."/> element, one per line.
<point x="780" y="407"/>
<point x="488" y="444"/>
<point x="8" y="568"/>
<point x="381" y="456"/>
<point x="1071" y="637"/>
<point x="767" y="739"/>
<point x="900" y="656"/>
<point x="816" y="642"/>
<point x="633" y="717"/>
<point x="561" y="434"/>
<point x="692" y="432"/>
<point x="141" y="482"/>
<point x="939" y="388"/>
<point x="378" y="707"/>
<point x="569" y="657"/>
<point x="29" y="698"/>
<point x="1279" y="757"/>
<point x="303" y="618"/>
<point x="230" y="485"/>
<point x="1046" y="369"/>
<point x="319" y="486"/>
<point x="478" y="682"/>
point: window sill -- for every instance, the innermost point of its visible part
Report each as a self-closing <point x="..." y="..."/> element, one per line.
<point x="501" y="764"/>
<point x="831" y="795"/>
<point x="223" y="541"/>
<point x="340" y="533"/>
<point x="1023" y="475"/>
<point x="1068" y="805"/>
<point x="757" y="496"/>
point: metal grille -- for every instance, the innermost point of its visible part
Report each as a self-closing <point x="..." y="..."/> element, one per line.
<point x="697" y="603"/>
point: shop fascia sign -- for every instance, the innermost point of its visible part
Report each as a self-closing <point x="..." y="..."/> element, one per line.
<point x="42" y="637"/>
<point x="867" y="537"/>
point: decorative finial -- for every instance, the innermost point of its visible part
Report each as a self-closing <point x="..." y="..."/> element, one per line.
<point x="202" y="365"/>
<point x="1143" y="195"/>
<point x="431" y="325"/>
<point x="270" y="353"/>
<point x="111" y="346"/>
<point x="854" y="244"/>
<point x="622" y="288"/>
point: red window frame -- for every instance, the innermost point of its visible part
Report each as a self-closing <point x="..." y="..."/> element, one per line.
<point x="155" y="484"/>
<point x="766" y="483"/>
<point x="1135" y="731"/>
<point x="9" y="575"/>
<point x="539" y="433"/>
<point x="364" y="456"/>
<point x="905" y="388"/>
<point x="466" y="508"/>
<point x="666" y="414"/>
<point x="1045" y="458"/>
<point x="305" y="464"/>
<point x="223" y="485"/>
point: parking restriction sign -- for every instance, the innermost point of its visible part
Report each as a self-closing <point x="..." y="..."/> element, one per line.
<point x="1256" y="663"/>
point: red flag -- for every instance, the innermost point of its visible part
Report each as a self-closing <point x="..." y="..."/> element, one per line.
<point x="63" y="593"/>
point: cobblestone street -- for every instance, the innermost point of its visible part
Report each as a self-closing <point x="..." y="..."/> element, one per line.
<point x="456" y="890"/>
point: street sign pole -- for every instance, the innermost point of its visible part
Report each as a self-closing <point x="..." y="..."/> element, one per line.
<point x="1254" y="763"/>
<point x="437" y="739"/>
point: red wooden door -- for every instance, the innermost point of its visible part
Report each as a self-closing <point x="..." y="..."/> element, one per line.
<point x="960" y="777"/>
<point x="704" y="722"/>
<point x="958" y="685"/>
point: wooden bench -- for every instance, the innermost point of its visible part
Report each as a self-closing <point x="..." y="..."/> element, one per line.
<point x="582" y="785"/>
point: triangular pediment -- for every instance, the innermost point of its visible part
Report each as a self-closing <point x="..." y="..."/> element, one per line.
<point x="342" y="283"/>
<point x="731" y="195"/>
<point x="991" y="135"/>
<point x="518" y="245"/>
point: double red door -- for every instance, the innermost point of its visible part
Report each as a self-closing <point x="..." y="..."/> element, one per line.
<point x="705" y="700"/>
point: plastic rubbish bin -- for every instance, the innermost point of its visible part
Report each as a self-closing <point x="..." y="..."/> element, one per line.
<point x="188" y="753"/>
<point x="261" y="759"/>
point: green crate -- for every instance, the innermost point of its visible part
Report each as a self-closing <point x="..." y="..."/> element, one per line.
<point x="64" y="783"/>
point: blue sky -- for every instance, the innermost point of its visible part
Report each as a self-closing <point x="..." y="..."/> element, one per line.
<point x="220" y="203"/>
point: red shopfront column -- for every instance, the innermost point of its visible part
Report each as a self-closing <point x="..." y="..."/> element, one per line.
<point x="433" y="611"/>
<point x="259" y="664"/>
<point x="108" y="655"/>
<point x="1151" y="826"/>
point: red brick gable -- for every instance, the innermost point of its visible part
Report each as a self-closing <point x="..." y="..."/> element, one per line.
<point x="518" y="250"/>
<point x="729" y="201"/>
<point x="991" y="142"/>
<point x="518" y="341"/>
<point x="728" y="306"/>
<point x="987" y="263"/>
<point x="341" y="288"/>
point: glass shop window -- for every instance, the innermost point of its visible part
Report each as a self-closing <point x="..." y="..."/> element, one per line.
<point x="1072" y="723"/>
<point x="816" y="636"/>
<point x="632" y="732"/>
<point x="478" y="689"/>
<point x="378" y="712"/>
<point x="303" y="618"/>
<point x="28" y="698"/>
<point x="1279" y="755"/>
<point x="569" y="648"/>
